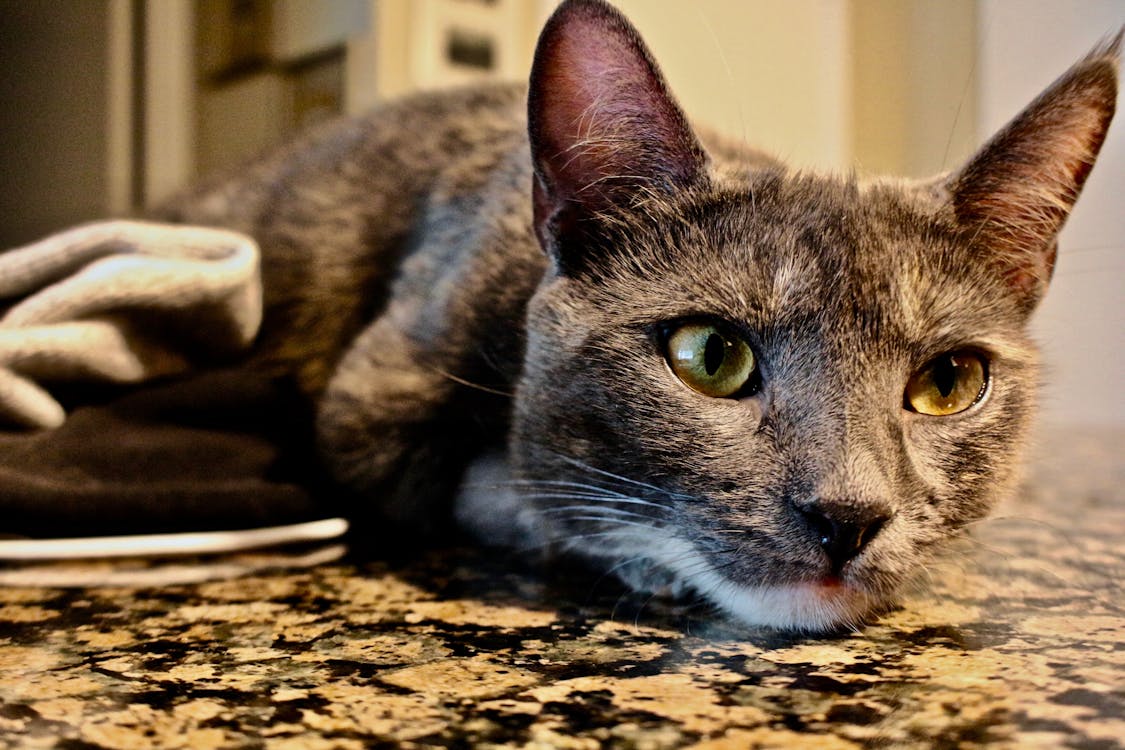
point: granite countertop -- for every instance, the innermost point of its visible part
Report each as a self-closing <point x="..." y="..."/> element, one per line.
<point x="1016" y="640"/>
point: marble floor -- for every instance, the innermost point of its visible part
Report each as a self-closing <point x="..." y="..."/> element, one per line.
<point x="1016" y="640"/>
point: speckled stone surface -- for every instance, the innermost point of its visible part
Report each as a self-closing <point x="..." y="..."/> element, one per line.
<point x="1017" y="640"/>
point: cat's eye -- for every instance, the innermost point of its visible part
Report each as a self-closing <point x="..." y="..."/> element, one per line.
<point x="947" y="385"/>
<point x="710" y="360"/>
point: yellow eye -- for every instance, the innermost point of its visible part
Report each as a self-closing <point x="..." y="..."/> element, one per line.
<point x="949" y="384"/>
<point x="710" y="361"/>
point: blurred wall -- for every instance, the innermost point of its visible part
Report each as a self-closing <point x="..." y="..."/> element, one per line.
<point x="772" y="73"/>
<point x="913" y="94"/>
<point x="53" y="115"/>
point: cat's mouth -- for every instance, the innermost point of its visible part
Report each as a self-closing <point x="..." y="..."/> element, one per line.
<point x="822" y="606"/>
<point x="834" y="589"/>
<point x="833" y="585"/>
<point x="824" y="601"/>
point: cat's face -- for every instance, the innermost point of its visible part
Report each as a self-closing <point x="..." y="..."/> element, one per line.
<point x="841" y="296"/>
<point x="783" y="391"/>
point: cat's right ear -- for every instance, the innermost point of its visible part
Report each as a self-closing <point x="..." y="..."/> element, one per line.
<point x="1013" y="197"/>
<point x="605" y="131"/>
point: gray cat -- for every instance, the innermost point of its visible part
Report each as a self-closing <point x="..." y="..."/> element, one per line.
<point x="588" y="330"/>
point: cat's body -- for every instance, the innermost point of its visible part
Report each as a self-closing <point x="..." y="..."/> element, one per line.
<point x="440" y="310"/>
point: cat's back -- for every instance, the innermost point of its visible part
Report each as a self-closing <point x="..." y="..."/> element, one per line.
<point x="398" y="149"/>
<point x="336" y="211"/>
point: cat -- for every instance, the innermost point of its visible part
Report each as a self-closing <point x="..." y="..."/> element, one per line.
<point x="561" y="315"/>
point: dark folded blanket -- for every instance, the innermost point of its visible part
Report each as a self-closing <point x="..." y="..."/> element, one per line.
<point x="218" y="450"/>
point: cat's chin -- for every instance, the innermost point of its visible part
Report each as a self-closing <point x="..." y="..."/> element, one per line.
<point x="815" y="607"/>
<point x="820" y="606"/>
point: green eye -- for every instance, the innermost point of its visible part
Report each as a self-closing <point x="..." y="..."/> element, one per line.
<point x="709" y="360"/>
<point x="949" y="384"/>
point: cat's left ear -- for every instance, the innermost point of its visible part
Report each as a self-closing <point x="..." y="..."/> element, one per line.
<point x="1013" y="197"/>
<point x="605" y="131"/>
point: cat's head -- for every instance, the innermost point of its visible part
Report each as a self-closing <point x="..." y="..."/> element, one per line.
<point x="784" y="390"/>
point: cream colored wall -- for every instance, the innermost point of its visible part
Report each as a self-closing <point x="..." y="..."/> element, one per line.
<point x="772" y="73"/>
<point x="885" y="85"/>
<point x="912" y="85"/>
<point x="402" y="50"/>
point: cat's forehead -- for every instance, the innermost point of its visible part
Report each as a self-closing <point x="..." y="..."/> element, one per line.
<point x="785" y="250"/>
<point x="803" y="230"/>
<point x="813" y="245"/>
<point x="828" y="226"/>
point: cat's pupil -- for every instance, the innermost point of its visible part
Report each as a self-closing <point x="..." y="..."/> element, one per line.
<point x="945" y="376"/>
<point x="714" y="351"/>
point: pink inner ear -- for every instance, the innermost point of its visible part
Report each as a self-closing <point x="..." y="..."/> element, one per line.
<point x="1015" y="195"/>
<point x="1019" y="197"/>
<point x="1029" y="179"/>
<point x="583" y="103"/>
<point x="602" y="120"/>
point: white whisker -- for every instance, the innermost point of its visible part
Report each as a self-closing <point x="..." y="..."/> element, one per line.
<point x="546" y="484"/>
<point x="618" y="521"/>
<point x="609" y="501"/>
<point x="594" y="509"/>
<point x="617" y="477"/>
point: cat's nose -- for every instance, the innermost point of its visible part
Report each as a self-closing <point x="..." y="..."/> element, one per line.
<point x="843" y="528"/>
